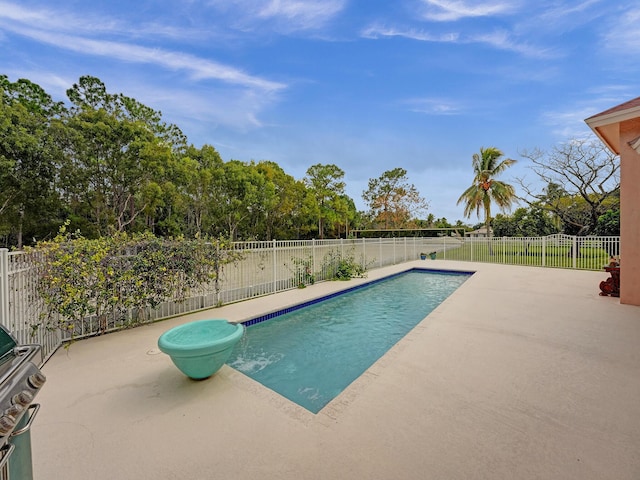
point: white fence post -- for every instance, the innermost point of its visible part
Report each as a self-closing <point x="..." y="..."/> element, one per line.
<point x="313" y="254"/>
<point x="405" y="249"/>
<point x="395" y="243"/>
<point x="4" y="286"/>
<point x="275" y="266"/>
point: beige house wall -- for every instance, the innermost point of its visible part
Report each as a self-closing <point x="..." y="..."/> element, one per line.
<point x="629" y="213"/>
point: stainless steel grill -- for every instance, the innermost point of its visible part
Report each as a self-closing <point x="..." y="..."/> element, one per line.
<point x="20" y="382"/>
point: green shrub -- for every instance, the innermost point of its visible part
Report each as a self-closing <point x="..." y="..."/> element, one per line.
<point x="120" y="276"/>
<point x="343" y="267"/>
<point x="303" y="271"/>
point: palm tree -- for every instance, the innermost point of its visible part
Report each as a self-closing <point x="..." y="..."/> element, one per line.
<point x="485" y="188"/>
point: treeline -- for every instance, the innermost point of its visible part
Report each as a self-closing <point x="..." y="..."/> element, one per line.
<point x="105" y="162"/>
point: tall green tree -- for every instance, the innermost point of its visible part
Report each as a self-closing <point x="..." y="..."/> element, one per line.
<point x="392" y="200"/>
<point x="120" y="153"/>
<point x="108" y="172"/>
<point x="525" y="222"/>
<point x="30" y="157"/>
<point x="305" y="212"/>
<point x="240" y="191"/>
<point x="163" y="194"/>
<point x="202" y="168"/>
<point x="288" y="215"/>
<point x="265" y="203"/>
<point x="326" y="184"/>
<point x="345" y="216"/>
<point x="90" y="93"/>
<point x="485" y="189"/>
<point x="608" y="224"/>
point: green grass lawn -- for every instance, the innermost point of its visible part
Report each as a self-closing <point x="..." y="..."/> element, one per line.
<point x="521" y="253"/>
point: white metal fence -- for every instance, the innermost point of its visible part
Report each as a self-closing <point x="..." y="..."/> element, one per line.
<point x="560" y="251"/>
<point x="21" y="307"/>
<point x="270" y="267"/>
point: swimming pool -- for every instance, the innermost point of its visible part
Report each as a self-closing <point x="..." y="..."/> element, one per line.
<point x="311" y="354"/>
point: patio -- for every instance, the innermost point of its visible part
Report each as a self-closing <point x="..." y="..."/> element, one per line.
<point x="523" y="373"/>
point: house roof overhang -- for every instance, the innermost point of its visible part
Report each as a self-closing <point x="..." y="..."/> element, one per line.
<point x="606" y="124"/>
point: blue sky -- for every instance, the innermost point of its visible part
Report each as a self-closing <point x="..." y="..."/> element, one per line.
<point x="368" y="85"/>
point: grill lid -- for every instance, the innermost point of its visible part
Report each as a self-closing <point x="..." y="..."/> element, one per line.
<point x="7" y="342"/>
<point x="20" y="381"/>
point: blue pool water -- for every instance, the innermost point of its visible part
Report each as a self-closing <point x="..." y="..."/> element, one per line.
<point x="312" y="354"/>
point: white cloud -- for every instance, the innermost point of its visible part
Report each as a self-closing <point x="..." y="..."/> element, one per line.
<point x="303" y="12"/>
<point x="611" y="93"/>
<point x="433" y="106"/>
<point x="236" y="101"/>
<point x="575" y="14"/>
<point x="377" y="31"/>
<point x="623" y="34"/>
<point x="198" y="68"/>
<point x="569" y="122"/>
<point x="54" y="20"/>
<point x="203" y="110"/>
<point x="13" y="16"/>
<point x="559" y="18"/>
<point x="288" y="15"/>
<point x="502" y="40"/>
<point x="452" y="10"/>
<point x="498" y="39"/>
<point x="46" y="27"/>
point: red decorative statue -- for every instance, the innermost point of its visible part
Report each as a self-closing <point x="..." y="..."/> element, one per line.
<point x="611" y="286"/>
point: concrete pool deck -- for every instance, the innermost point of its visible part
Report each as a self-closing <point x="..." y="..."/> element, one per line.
<point x="522" y="373"/>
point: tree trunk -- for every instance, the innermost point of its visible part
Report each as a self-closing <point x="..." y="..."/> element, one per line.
<point x="19" y="232"/>
<point x="487" y="225"/>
